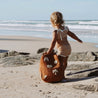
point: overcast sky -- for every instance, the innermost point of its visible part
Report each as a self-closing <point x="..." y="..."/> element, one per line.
<point x="42" y="9"/>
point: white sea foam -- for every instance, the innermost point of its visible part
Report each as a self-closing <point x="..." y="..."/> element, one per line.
<point x="92" y="25"/>
<point x="81" y="27"/>
<point x="29" y="25"/>
<point x="89" y="23"/>
<point x="85" y="28"/>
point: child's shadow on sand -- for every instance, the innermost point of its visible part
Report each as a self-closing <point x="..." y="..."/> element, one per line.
<point x="92" y="73"/>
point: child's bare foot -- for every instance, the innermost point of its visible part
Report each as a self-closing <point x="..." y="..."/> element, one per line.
<point x="65" y="80"/>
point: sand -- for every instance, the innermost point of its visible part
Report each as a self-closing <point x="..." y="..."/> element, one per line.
<point x="32" y="44"/>
<point x="25" y="81"/>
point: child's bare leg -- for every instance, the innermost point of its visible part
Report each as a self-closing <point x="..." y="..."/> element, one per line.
<point x="65" y="59"/>
<point x="65" y="62"/>
<point x="60" y="60"/>
<point x="62" y="64"/>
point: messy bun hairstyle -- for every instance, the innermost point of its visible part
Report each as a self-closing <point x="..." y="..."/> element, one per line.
<point x="57" y="18"/>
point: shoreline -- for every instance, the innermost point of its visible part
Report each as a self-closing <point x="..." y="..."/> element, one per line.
<point x="40" y="37"/>
<point x="32" y="44"/>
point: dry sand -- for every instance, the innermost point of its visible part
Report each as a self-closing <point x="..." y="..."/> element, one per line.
<point x="32" y="44"/>
<point x="25" y="82"/>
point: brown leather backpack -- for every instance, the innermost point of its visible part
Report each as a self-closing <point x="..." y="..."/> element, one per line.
<point x="50" y="68"/>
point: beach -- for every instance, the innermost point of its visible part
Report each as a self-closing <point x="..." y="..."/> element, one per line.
<point x="26" y="31"/>
<point x="19" y="80"/>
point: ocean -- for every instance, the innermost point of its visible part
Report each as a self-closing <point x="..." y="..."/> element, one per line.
<point x="87" y="30"/>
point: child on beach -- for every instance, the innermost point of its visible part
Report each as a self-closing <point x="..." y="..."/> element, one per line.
<point x="60" y="38"/>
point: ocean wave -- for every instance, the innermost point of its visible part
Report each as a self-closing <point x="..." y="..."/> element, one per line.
<point x="81" y="27"/>
<point x="25" y="29"/>
<point x="29" y="25"/>
<point x="87" y="30"/>
<point x="24" y="22"/>
<point x="89" y="23"/>
<point x="46" y="25"/>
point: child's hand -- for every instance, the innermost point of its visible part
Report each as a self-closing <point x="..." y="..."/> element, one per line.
<point x="45" y="53"/>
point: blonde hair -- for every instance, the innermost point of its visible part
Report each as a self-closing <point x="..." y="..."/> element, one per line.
<point x="57" y="18"/>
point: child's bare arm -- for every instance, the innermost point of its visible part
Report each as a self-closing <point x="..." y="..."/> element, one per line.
<point x="71" y="34"/>
<point x="52" y="43"/>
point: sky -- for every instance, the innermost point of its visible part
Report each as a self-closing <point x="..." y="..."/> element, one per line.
<point x="42" y="9"/>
